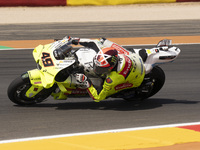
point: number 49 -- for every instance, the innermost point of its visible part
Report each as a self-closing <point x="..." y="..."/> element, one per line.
<point x="46" y="60"/>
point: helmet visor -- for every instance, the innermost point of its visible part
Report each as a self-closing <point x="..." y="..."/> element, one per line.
<point x="101" y="70"/>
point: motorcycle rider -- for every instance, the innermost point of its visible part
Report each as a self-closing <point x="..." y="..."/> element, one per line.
<point x="120" y="69"/>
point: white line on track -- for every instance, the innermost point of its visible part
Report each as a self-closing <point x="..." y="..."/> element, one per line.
<point x="98" y="132"/>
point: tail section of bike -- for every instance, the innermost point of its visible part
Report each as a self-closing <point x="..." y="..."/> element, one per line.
<point x="161" y="54"/>
<point x="158" y="56"/>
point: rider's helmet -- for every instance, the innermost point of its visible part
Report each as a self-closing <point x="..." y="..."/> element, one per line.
<point x="105" y="60"/>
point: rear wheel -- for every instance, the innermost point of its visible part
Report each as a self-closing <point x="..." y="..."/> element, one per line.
<point x="157" y="78"/>
<point x="17" y="92"/>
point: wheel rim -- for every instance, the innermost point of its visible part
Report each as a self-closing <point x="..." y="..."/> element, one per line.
<point x="21" y="97"/>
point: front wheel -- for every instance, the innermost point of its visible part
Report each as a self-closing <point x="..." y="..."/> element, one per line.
<point x="17" y="92"/>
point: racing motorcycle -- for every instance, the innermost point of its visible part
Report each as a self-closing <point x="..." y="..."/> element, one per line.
<point x="56" y="77"/>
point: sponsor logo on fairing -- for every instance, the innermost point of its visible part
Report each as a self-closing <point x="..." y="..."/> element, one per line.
<point x="123" y="86"/>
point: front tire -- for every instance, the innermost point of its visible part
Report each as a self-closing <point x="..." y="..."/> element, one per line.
<point x="17" y="92"/>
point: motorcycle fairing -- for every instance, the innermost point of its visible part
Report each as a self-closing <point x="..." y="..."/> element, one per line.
<point x="35" y="80"/>
<point x="43" y="55"/>
<point x="44" y="77"/>
<point x="85" y="57"/>
<point x="33" y="90"/>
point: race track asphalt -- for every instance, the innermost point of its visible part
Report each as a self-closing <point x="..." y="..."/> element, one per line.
<point x="177" y="102"/>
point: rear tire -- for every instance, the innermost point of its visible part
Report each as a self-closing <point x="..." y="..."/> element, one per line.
<point x="158" y="75"/>
<point x="17" y="92"/>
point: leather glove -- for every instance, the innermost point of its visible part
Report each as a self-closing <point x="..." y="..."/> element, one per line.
<point x="83" y="80"/>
